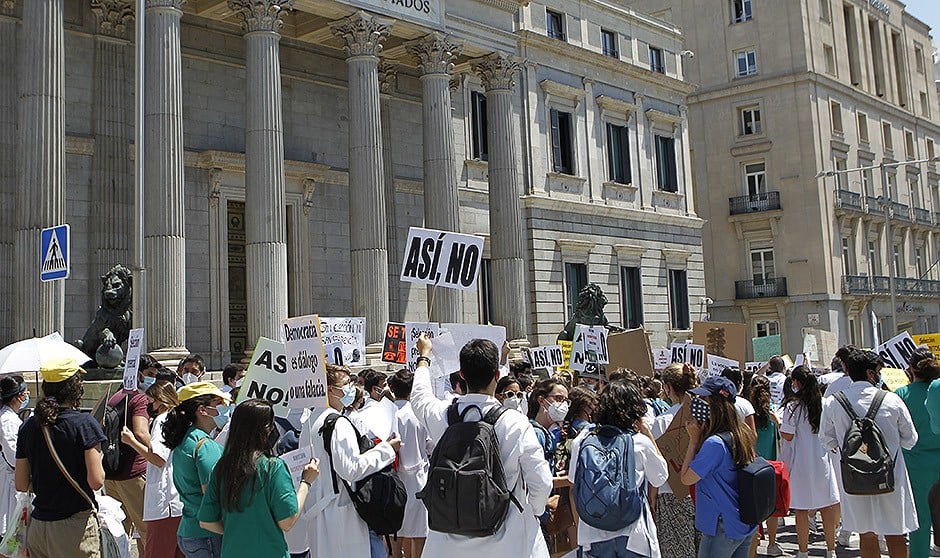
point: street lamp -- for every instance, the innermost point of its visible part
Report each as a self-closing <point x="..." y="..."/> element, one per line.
<point x="885" y="201"/>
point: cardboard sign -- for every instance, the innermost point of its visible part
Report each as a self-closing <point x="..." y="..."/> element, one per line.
<point x="811" y="347"/>
<point x="931" y="340"/>
<point x="726" y="340"/>
<point x="894" y="378"/>
<point x="630" y="349"/>
<point x="717" y="365"/>
<point x="753" y="367"/>
<point x="827" y="343"/>
<point x="673" y="444"/>
<point x="549" y="356"/>
<point x="350" y="335"/>
<point x="266" y="376"/>
<point x="897" y="350"/>
<point x="766" y="347"/>
<point x="395" y="348"/>
<point x="445" y="259"/>
<point x="661" y="358"/>
<point x="135" y="342"/>
<point x="588" y="347"/>
<point x="689" y="352"/>
<point x="306" y="365"/>
<point x="413" y="331"/>
<point x="465" y="333"/>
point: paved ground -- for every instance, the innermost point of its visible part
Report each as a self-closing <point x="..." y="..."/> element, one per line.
<point x="786" y="538"/>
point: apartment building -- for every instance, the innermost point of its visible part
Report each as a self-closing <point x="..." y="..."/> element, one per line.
<point x="787" y="90"/>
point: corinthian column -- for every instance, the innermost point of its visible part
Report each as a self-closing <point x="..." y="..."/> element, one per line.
<point x="8" y="186"/>
<point x="507" y="234"/>
<point x="436" y="54"/>
<point x="265" y="217"/>
<point x="363" y="35"/>
<point x="40" y="196"/>
<point x="388" y="74"/>
<point x="165" y="223"/>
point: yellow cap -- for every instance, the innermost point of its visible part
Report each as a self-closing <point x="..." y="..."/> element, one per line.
<point x="59" y="369"/>
<point x="196" y="389"/>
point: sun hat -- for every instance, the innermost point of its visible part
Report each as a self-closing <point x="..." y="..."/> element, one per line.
<point x="59" y="369"/>
<point x="196" y="389"/>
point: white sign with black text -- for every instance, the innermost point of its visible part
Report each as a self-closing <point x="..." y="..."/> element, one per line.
<point x="306" y="369"/>
<point x="549" y="356"/>
<point x="413" y="331"/>
<point x="350" y="335"/>
<point x="690" y="353"/>
<point x="589" y="346"/>
<point x="897" y="350"/>
<point x="266" y="376"/>
<point x="135" y="342"/>
<point x="444" y="259"/>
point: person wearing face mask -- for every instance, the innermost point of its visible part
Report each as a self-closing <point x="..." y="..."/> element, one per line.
<point x="377" y="416"/>
<point x="510" y="394"/>
<point x="190" y="370"/>
<point x="548" y="407"/>
<point x="127" y="483"/>
<point x="202" y="408"/>
<point x="413" y="465"/>
<point x="892" y="514"/>
<point x="15" y="396"/>
<point x="232" y="376"/>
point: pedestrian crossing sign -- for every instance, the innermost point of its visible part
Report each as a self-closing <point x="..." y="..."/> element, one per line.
<point x="54" y="253"/>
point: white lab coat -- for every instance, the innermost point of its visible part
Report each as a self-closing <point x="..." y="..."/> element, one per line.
<point x="10" y="424"/>
<point x="884" y="514"/>
<point x="524" y="466"/>
<point x="337" y="531"/>
<point x="412" y="469"/>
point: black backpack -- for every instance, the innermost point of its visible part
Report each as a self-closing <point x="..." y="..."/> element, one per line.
<point x="112" y="424"/>
<point x="757" y="487"/>
<point x="466" y="491"/>
<point x="866" y="463"/>
<point x="379" y="498"/>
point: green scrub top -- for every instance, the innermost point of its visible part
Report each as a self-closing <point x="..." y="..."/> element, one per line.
<point x="253" y="531"/>
<point x="767" y="441"/>
<point x="927" y="449"/>
<point x="190" y="475"/>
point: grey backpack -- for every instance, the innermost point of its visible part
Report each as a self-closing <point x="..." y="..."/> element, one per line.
<point x="867" y="464"/>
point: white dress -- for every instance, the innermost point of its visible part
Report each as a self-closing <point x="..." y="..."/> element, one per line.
<point x="10" y="423"/>
<point x="884" y="514"/>
<point x="812" y="480"/>
<point x="412" y="469"/>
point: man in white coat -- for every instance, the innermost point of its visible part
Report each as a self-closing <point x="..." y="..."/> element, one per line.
<point x="524" y="464"/>
<point x="892" y="515"/>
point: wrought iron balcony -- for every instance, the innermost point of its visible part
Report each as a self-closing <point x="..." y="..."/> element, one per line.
<point x="900" y="211"/>
<point x="754" y="203"/>
<point x="880" y="285"/>
<point x="907" y="287"/>
<point x="873" y="204"/>
<point x="922" y="216"/>
<point x="856" y="284"/>
<point x="776" y="286"/>
<point x="846" y="199"/>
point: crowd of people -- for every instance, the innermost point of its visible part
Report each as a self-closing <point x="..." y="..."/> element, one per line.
<point x="511" y="462"/>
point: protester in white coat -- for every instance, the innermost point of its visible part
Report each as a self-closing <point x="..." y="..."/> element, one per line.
<point x="412" y="467"/>
<point x="330" y="520"/>
<point x="893" y="514"/>
<point x="14" y="396"/>
<point x="524" y="465"/>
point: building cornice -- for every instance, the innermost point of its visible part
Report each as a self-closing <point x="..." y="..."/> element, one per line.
<point x="511" y="6"/>
<point x="607" y="211"/>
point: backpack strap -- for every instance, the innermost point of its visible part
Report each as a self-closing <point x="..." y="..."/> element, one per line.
<point x="493" y="414"/>
<point x="876" y="404"/>
<point x="199" y="445"/>
<point x="326" y="432"/>
<point x="840" y="397"/>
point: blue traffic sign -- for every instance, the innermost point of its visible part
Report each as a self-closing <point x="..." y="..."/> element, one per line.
<point x="54" y="253"/>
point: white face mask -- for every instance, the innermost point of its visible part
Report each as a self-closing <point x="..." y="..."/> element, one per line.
<point x="558" y="411"/>
<point x="513" y="403"/>
<point x="189" y="378"/>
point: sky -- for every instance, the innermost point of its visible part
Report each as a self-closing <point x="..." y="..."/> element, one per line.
<point x="927" y="11"/>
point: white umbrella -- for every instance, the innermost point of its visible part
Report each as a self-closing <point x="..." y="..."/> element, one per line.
<point x="29" y="354"/>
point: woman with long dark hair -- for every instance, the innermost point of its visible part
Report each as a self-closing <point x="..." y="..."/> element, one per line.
<point x="63" y="522"/>
<point x="548" y="407"/>
<point x="712" y="466"/>
<point x="768" y="443"/>
<point x="813" y="485"/>
<point x="202" y="408"/>
<point x="250" y="498"/>
<point x="14" y="396"/>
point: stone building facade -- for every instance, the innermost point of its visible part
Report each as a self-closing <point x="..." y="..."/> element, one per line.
<point x="290" y="144"/>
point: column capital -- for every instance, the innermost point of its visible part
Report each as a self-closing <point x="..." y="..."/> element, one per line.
<point x="497" y="71"/>
<point x="261" y="15"/>
<point x="435" y="52"/>
<point x="113" y="16"/>
<point x="638" y="98"/>
<point x="362" y="33"/>
<point x="6" y="7"/>
<point x="174" y="4"/>
<point x="388" y="75"/>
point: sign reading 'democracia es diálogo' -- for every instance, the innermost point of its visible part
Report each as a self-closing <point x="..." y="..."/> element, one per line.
<point x="306" y="369"/>
<point x="441" y="258"/>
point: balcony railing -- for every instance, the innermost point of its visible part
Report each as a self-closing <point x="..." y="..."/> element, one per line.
<point x="900" y="211"/>
<point x="849" y="200"/>
<point x="766" y="201"/>
<point x="922" y="216"/>
<point x="856" y="284"/>
<point x="873" y="204"/>
<point x="776" y="286"/>
<point x="880" y="285"/>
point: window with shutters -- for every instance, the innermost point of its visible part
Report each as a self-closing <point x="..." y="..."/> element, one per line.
<point x="555" y="25"/>
<point x="576" y="278"/>
<point x="631" y="297"/>
<point x="562" y="142"/>
<point x="678" y="299"/>
<point x="755" y="179"/>
<point x="478" y="145"/>
<point x="762" y="265"/>
<point x="667" y="177"/>
<point x="618" y="153"/>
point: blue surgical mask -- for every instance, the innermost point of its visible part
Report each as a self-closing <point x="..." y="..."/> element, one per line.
<point x="225" y="411"/>
<point x="349" y="395"/>
<point x="25" y="401"/>
<point x="146" y="383"/>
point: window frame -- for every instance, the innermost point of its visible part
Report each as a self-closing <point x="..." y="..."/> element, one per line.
<point x="631" y="296"/>
<point x="581" y="270"/>
<point x="561" y="32"/>
<point x="910" y="145"/>
<point x="829" y="57"/>
<point x="743" y="15"/>
<point x="760" y="176"/>
<point x="561" y="149"/>
<point x="621" y="173"/>
<point x="750" y="69"/>
<point x="661" y="59"/>
<point x="679" y="315"/>
<point x="887" y="136"/>
<point x="769" y="325"/>
<point x="859" y="118"/>
<point x="666" y="181"/>
<point x="768" y="266"/>
<point x="825" y="11"/>
<point x="835" y="117"/>
<point x="614" y="51"/>
<point x="757" y="124"/>
<point x="874" y="259"/>
<point x="479" y="143"/>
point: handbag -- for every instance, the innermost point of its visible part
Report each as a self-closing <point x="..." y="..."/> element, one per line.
<point x="110" y="547"/>
<point x="14" y="540"/>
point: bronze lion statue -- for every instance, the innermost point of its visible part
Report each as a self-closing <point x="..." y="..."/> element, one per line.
<point x="588" y="311"/>
<point x="103" y="338"/>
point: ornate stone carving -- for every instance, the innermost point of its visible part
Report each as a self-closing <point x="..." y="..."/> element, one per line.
<point x="113" y="16"/>
<point x="454" y="84"/>
<point x="175" y="4"/>
<point x="362" y="33"/>
<point x="215" y="186"/>
<point x="435" y="53"/>
<point x="6" y="7"/>
<point x="497" y="71"/>
<point x="388" y="75"/>
<point x="261" y="15"/>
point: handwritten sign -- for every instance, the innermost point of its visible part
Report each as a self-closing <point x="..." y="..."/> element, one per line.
<point x="566" y="347"/>
<point x="589" y="346"/>
<point x="661" y="358"/>
<point x="135" y="342"/>
<point x="753" y="367"/>
<point x="673" y="445"/>
<point x="894" y="378"/>
<point x="441" y="258"/>
<point x="549" y="356"/>
<point x="350" y="335"/>
<point x="931" y="340"/>
<point x="717" y="365"/>
<point x="395" y="348"/>
<point x="897" y="350"/>
<point x="413" y="331"/>
<point x="296" y="460"/>
<point x="266" y="376"/>
<point x="306" y="367"/>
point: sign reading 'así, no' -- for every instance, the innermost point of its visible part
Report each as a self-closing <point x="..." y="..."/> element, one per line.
<point x="442" y="258"/>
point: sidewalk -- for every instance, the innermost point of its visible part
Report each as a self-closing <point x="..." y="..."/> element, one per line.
<point x="786" y="538"/>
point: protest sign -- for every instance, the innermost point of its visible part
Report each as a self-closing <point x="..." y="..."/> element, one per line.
<point x="717" y="365"/>
<point x="689" y="352"/>
<point x="395" y="348"/>
<point x="673" y="444"/>
<point x="931" y="340"/>
<point x="661" y="357"/>
<point x="413" y="331"/>
<point x="350" y="335"/>
<point x="445" y="360"/>
<point x="296" y="460"/>
<point x="630" y="349"/>
<point x="566" y="347"/>
<point x="753" y="367"/>
<point x="801" y="360"/>
<point x="827" y="343"/>
<point x="894" y="378"/>
<point x="135" y="342"/>
<point x="445" y="259"/>
<point x="306" y="366"/>
<point x="589" y="346"/>
<point x="811" y="347"/>
<point x="266" y="376"/>
<point x="465" y="333"/>
<point x="549" y="356"/>
<point x="766" y="347"/>
<point x="722" y="339"/>
<point x="897" y="350"/>
<point x="787" y="361"/>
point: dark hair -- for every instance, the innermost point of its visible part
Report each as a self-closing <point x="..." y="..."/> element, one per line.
<point x="181" y="417"/>
<point x="620" y="404"/>
<point x="844" y="351"/>
<point x="195" y="359"/>
<point x="457" y="383"/>
<point x="724" y="418"/>
<point x="165" y="374"/>
<point x="809" y="398"/>
<point x="859" y="363"/>
<point x="776" y="364"/>
<point x="733" y="373"/>
<point x="400" y="383"/>
<point x="759" y="396"/>
<point x="230" y="372"/>
<point x="580" y="400"/>
<point x="524" y="381"/>
<point x="146" y="361"/>
<point x="926" y="369"/>
<point x="57" y="396"/>
<point x="250" y="438"/>
<point x="679" y="378"/>
<point x="479" y="362"/>
<point x="542" y="389"/>
<point x="505" y="382"/>
<point x="748" y="377"/>
<point x="623" y="374"/>
<point x="371" y="379"/>
<point x="12" y="385"/>
<point x="519" y="367"/>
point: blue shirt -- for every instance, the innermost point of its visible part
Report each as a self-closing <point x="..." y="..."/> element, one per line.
<point x="716" y="494"/>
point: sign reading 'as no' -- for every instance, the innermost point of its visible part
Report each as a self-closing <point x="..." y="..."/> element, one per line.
<point x="442" y="258"/>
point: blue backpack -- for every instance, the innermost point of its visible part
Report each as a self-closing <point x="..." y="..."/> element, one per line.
<point x="606" y="492"/>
